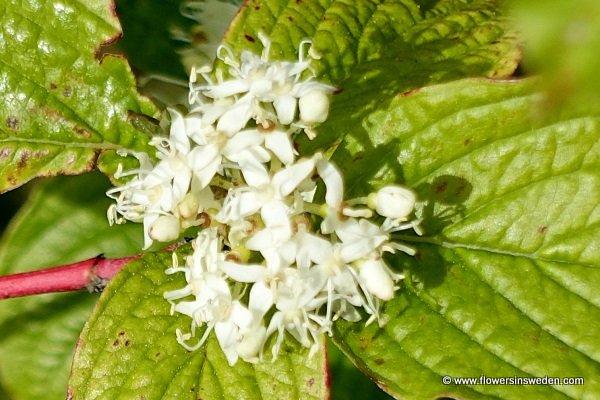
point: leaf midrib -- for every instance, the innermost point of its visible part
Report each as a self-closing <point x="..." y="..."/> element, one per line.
<point x="84" y="145"/>
<point x="448" y="244"/>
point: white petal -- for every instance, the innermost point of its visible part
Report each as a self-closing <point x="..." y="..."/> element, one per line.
<point x="241" y="141"/>
<point x="178" y="136"/>
<point x="285" y="106"/>
<point x="261" y="299"/>
<point x="205" y="162"/>
<point x="254" y="172"/>
<point x="236" y="118"/>
<point x="181" y="182"/>
<point x="261" y="88"/>
<point x="280" y="144"/>
<point x="245" y="272"/>
<point x="238" y="204"/>
<point x="275" y="214"/>
<point x="227" y="88"/>
<point x="227" y="336"/>
<point x="333" y="183"/>
<point x="289" y="178"/>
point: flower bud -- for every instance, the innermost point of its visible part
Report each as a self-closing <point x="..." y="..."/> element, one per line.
<point x="248" y="348"/>
<point x="188" y="207"/>
<point x="393" y="202"/>
<point x="378" y="281"/>
<point x="314" y="106"/>
<point x="165" y="228"/>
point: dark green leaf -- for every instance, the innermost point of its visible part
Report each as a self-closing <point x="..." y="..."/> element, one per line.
<point x="63" y="221"/>
<point x="397" y="34"/>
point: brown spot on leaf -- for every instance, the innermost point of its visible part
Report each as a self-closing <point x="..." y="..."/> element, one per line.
<point x="53" y="85"/>
<point x="290" y="18"/>
<point x="338" y="90"/>
<point x="5" y="152"/>
<point x="467" y="141"/>
<point x="127" y="343"/>
<point x="379" y="361"/>
<point x="542" y="229"/>
<point x="115" y="343"/>
<point x="122" y="333"/>
<point x="82" y="131"/>
<point x="364" y="342"/>
<point x="199" y="38"/>
<point x="23" y="158"/>
<point x="441" y="187"/>
<point x="298" y="1"/>
<point x="12" y="122"/>
<point x="249" y="38"/>
<point x="310" y="382"/>
<point x="67" y="91"/>
<point x="409" y="92"/>
<point x="157" y="354"/>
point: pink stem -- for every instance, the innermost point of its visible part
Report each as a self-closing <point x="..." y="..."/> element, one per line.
<point x="92" y="274"/>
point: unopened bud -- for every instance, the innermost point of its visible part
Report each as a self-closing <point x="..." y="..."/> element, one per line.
<point x="165" y="228"/>
<point x="314" y="106"/>
<point x="393" y="202"/>
<point x="378" y="281"/>
<point x="188" y="207"/>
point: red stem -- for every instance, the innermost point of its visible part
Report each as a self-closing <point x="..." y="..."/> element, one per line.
<point x="92" y="274"/>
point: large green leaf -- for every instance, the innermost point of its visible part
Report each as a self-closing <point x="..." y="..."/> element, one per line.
<point x="397" y="34"/>
<point x="63" y="101"/>
<point x="63" y="221"/>
<point x="128" y="350"/>
<point x="507" y="278"/>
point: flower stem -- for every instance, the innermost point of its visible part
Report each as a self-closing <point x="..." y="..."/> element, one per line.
<point x="92" y="274"/>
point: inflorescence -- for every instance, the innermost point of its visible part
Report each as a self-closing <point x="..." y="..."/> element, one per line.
<point x="268" y="259"/>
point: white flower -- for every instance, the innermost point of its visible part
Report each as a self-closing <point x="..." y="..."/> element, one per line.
<point x="229" y="167"/>
<point x="296" y="302"/>
<point x="263" y="189"/>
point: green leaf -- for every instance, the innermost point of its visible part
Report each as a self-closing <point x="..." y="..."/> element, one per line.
<point x="128" y="350"/>
<point x="397" y="34"/>
<point x="64" y="102"/>
<point x="63" y="221"/>
<point x="347" y="382"/>
<point x="507" y="276"/>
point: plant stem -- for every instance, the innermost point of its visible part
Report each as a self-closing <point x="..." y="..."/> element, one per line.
<point x="92" y="274"/>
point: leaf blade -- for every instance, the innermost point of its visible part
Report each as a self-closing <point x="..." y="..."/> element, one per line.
<point x="64" y="102"/>
<point x="509" y="208"/>
<point x="132" y="351"/>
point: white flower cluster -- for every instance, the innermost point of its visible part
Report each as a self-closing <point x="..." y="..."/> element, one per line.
<point x="259" y="269"/>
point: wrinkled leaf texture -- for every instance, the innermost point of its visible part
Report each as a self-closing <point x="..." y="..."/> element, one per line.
<point x="67" y="107"/>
